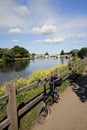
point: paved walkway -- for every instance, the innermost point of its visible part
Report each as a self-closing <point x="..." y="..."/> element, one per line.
<point x="71" y="112"/>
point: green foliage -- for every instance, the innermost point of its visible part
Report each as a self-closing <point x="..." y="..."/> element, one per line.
<point x="1" y="60"/>
<point x="1" y="52"/>
<point x="20" y="52"/>
<point x="46" y="53"/>
<point x="33" y="55"/>
<point x="28" y="120"/>
<point x="8" y="55"/>
<point x="83" y="52"/>
<point x="74" y="60"/>
<point x="64" y="85"/>
<point x="2" y="111"/>
<point x="74" y="52"/>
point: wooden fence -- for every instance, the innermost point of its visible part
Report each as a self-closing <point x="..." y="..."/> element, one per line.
<point x="12" y="113"/>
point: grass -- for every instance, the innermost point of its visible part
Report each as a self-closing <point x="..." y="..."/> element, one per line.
<point x="22" y="59"/>
<point x="64" y="85"/>
<point x="18" y="59"/>
<point x="1" y="61"/>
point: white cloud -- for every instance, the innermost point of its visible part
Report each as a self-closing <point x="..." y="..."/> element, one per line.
<point x="8" y="16"/>
<point x="75" y="42"/>
<point x="22" y="10"/>
<point x="82" y="35"/>
<point x="60" y="40"/>
<point x="45" y="29"/>
<point x="15" y="31"/>
<point x="12" y="12"/>
<point x="38" y="41"/>
<point x="15" y="41"/>
<point x="54" y="40"/>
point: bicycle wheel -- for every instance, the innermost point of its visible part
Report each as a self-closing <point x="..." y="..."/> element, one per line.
<point x="43" y="115"/>
<point x="50" y="101"/>
<point x="56" y="97"/>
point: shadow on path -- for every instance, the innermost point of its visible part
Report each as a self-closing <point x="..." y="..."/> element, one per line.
<point x="80" y="87"/>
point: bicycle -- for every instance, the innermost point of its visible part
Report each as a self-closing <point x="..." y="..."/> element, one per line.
<point x="45" y="109"/>
<point x="49" y="99"/>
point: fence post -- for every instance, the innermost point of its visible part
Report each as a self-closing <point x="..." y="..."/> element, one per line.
<point x="70" y="69"/>
<point x="57" y="72"/>
<point x="12" y="108"/>
<point x="77" y="66"/>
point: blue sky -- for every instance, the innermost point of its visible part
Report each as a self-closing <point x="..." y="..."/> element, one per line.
<point x="43" y="26"/>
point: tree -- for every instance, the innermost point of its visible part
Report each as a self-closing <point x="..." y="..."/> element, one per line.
<point x="74" y="52"/>
<point x="46" y="53"/>
<point x="20" y="52"/>
<point x="33" y="55"/>
<point x="62" y="52"/>
<point x="82" y="53"/>
<point x="1" y="53"/>
<point x="8" y="55"/>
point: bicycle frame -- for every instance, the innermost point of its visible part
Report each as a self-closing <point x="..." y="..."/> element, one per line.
<point x="54" y="90"/>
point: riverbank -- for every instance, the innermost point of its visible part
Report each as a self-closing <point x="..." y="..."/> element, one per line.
<point x="18" y="59"/>
<point x="1" y="60"/>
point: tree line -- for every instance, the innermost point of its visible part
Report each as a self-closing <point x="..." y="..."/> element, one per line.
<point x="82" y="53"/>
<point x="9" y="55"/>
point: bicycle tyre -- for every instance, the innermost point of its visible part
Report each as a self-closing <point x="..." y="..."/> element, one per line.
<point x="56" y="97"/>
<point x="50" y="101"/>
<point x="43" y="115"/>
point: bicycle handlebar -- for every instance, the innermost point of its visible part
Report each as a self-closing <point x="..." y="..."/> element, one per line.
<point x="57" y="80"/>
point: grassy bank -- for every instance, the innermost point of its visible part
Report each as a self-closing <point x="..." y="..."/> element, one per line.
<point x="1" y="60"/>
<point x="23" y="59"/>
<point x="18" y="59"/>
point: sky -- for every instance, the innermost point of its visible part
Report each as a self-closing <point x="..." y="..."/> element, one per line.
<point x="42" y="26"/>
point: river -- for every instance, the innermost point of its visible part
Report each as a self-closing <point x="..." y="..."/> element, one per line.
<point x="25" y="68"/>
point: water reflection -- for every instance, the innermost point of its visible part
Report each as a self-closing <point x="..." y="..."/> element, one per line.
<point x="62" y="60"/>
<point x="17" y="66"/>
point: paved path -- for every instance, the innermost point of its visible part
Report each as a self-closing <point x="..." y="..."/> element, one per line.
<point x="71" y="112"/>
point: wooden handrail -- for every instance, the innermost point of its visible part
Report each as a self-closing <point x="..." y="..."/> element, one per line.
<point x="4" y="98"/>
<point x="4" y="124"/>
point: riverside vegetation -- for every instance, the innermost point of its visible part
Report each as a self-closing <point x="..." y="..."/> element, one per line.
<point x="29" y="119"/>
<point x="18" y="53"/>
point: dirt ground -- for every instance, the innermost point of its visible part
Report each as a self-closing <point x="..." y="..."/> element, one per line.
<point x="71" y="112"/>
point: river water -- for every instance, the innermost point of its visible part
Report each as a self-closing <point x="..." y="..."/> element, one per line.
<point x="25" y="68"/>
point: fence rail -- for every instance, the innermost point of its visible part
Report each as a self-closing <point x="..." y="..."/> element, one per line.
<point x="10" y="98"/>
<point x="4" y="98"/>
<point x="4" y="124"/>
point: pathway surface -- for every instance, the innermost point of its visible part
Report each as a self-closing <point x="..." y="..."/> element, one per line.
<point x="71" y="112"/>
